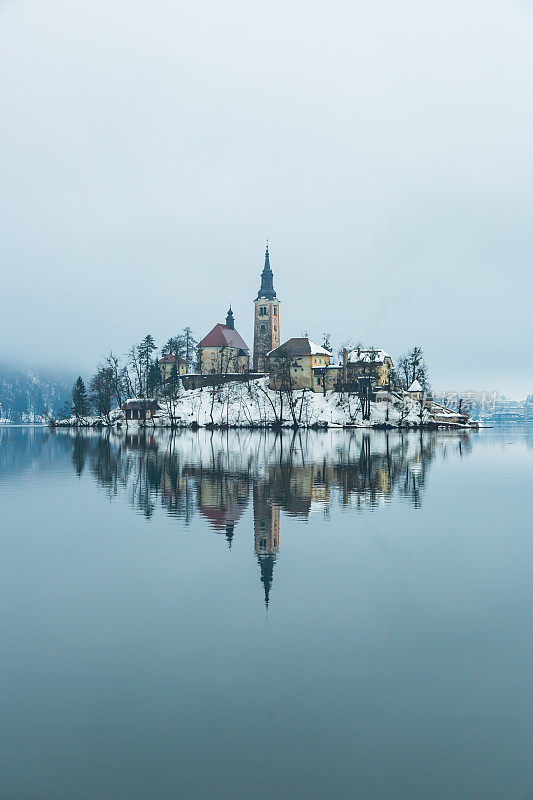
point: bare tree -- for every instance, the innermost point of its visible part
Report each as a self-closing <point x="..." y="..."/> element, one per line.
<point x="411" y="367"/>
<point x="221" y="369"/>
<point x="134" y="362"/>
<point x="280" y="369"/>
<point x="116" y="373"/>
<point x="278" y="416"/>
<point x="171" y="392"/>
<point x="364" y="383"/>
<point x="102" y="391"/>
<point x="190" y="345"/>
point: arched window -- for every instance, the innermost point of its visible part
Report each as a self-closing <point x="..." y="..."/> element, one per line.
<point x="262" y="329"/>
<point x="262" y="543"/>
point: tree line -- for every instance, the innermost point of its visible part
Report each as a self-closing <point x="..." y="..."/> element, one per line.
<point x="138" y="375"/>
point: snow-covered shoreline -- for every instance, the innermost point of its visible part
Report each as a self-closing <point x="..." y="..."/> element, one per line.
<point x="254" y="405"/>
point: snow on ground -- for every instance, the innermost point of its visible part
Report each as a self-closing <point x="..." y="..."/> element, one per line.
<point x="253" y="404"/>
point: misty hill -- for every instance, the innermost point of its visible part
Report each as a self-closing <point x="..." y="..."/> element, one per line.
<point x="29" y="396"/>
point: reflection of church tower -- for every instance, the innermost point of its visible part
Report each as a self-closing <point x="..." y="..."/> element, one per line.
<point x="266" y="322"/>
<point x="230" y="530"/>
<point x="266" y="535"/>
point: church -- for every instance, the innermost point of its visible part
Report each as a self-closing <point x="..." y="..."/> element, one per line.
<point x="223" y="351"/>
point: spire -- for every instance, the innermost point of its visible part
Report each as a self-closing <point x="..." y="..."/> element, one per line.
<point x="267" y="279"/>
<point x="266" y="563"/>
<point x="267" y="258"/>
<point x="230" y="319"/>
<point x="230" y="529"/>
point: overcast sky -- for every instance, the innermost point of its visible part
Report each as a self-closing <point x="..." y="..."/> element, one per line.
<point x="147" y="149"/>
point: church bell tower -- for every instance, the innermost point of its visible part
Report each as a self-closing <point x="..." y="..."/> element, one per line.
<point x="266" y="534"/>
<point x="266" y="323"/>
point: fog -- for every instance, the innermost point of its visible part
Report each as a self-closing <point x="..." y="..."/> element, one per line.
<point x="149" y="149"/>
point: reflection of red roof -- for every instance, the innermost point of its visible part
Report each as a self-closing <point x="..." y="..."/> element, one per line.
<point x="219" y="518"/>
<point x="223" y="336"/>
<point x="171" y="359"/>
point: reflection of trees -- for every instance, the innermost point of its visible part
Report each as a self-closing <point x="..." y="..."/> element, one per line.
<point x="79" y="453"/>
<point x="23" y="448"/>
<point x="217" y="476"/>
<point x="200" y="472"/>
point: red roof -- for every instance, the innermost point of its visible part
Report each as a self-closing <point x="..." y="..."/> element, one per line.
<point x="171" y="359"/>
<point x="223" y="336"/>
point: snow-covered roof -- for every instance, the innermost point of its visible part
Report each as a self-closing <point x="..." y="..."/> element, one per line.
<point x="415" y="387"/>
<point x="374" y="355"/>
<point x="140" y="402"/>
<point x="300" y="346"/>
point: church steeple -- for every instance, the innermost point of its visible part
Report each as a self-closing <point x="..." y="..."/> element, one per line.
<point x="230" y="530"/>
<point x="267" y="280"/>
<point x="230" y="319"/>
<point x="267" y="258"/>
<point x="266" y="321"/>
<point x="266" y="564"/>
<point x="266" y="534"/>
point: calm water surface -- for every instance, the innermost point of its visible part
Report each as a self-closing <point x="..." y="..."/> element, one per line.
<point x="241" y="615"/>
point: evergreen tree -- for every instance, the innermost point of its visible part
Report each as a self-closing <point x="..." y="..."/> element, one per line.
<point x="153" y="380"/>
<point x="146" y="348"/>
<point x="190" y="345"/>
<point x="175" y="346"/>
<point x="171" y="390"/>
<point x="65" y="410"/>
<point x="182" y="345"/>
<point x="80" y="401"/>
<point x="144" y="356"/>
<point x="79" y="453"/>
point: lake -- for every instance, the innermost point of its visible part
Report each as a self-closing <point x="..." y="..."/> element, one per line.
<point x="250" y="615"/>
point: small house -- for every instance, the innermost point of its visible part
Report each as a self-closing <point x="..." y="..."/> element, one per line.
<point x="415" y="391"/>
<point x="167" y="362"/>
<point x="373" y="362"/>
<point x="299" y="363"/>
<point x="140" y="409"/>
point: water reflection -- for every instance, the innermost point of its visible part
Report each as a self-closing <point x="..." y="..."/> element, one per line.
<point x="216" y="476"/>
